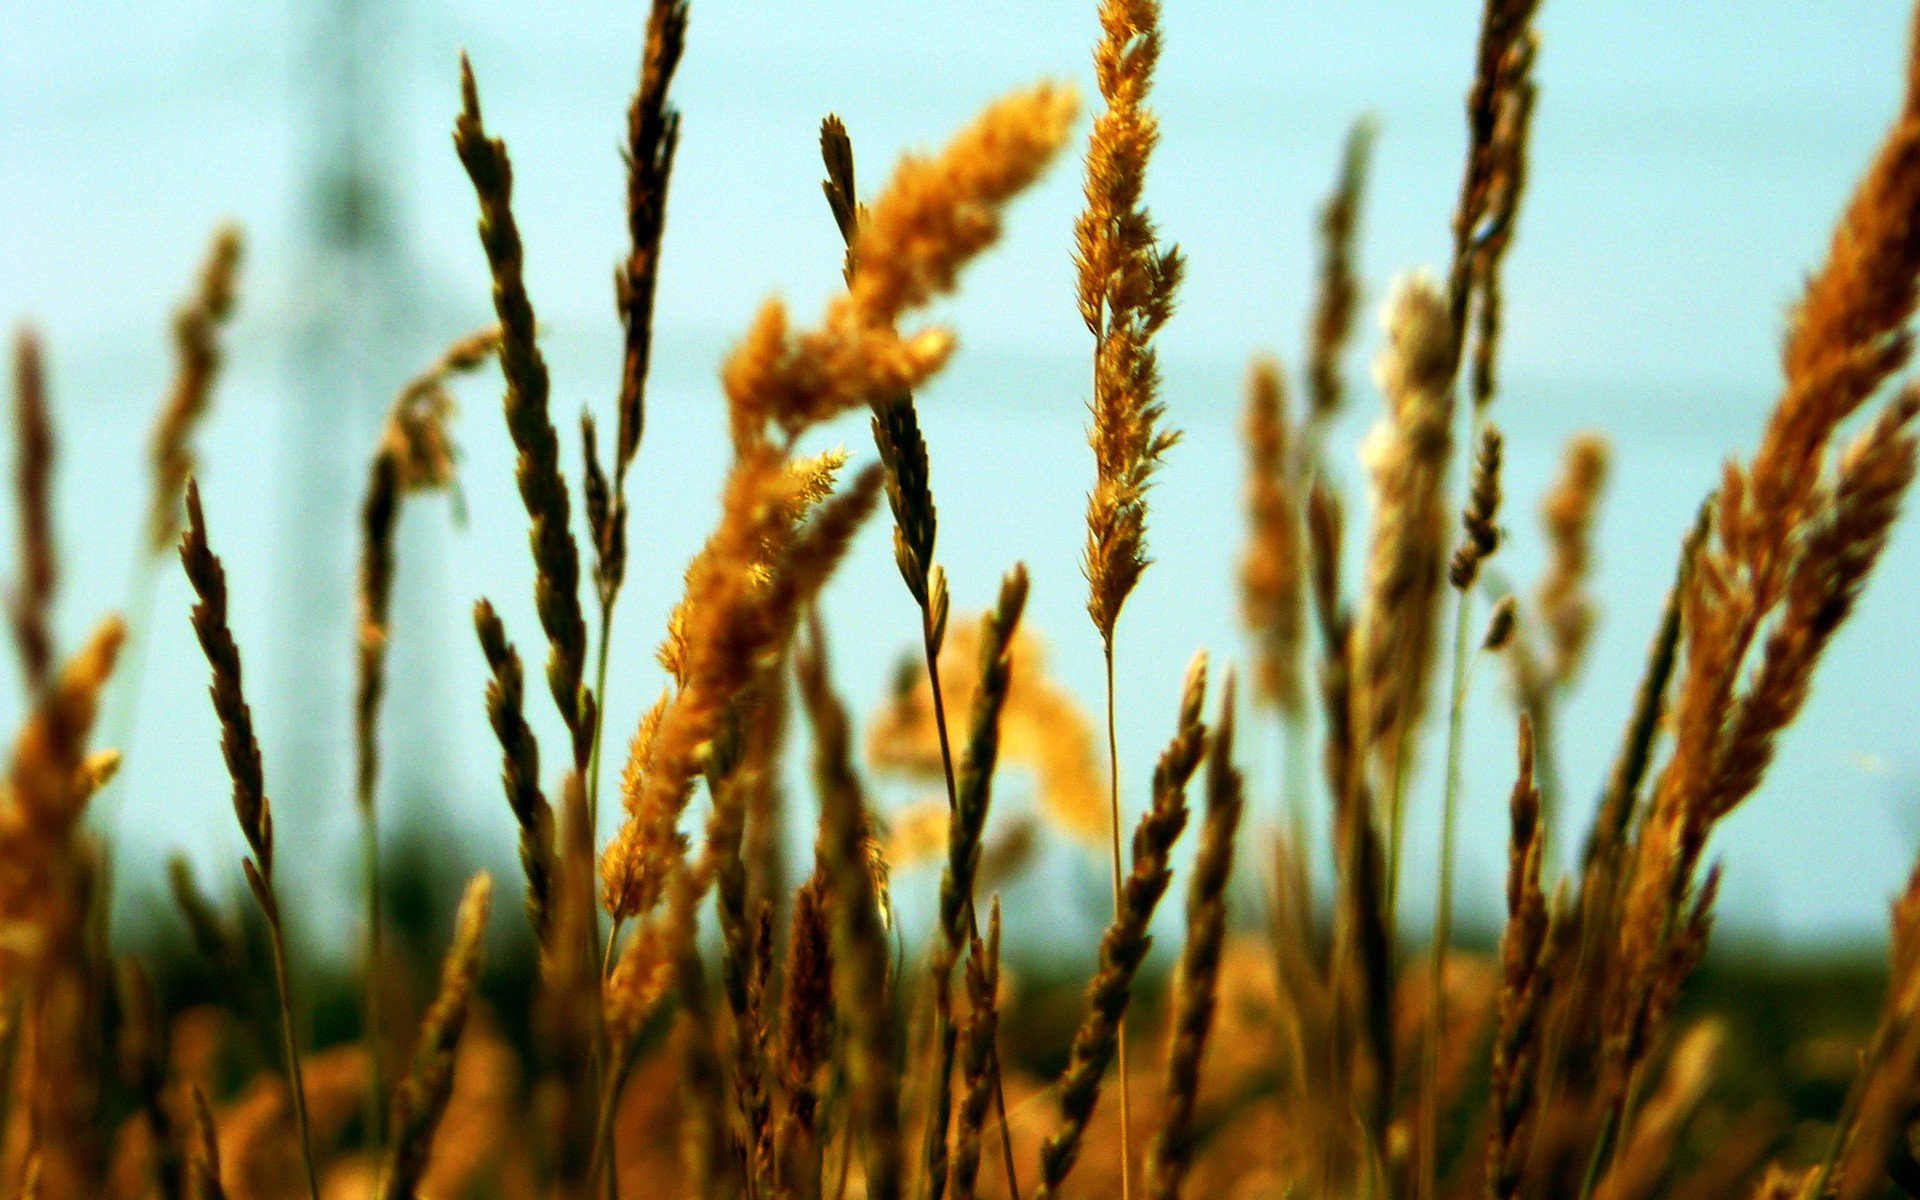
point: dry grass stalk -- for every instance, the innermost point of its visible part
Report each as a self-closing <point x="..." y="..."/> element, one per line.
<point x="241" y="750"/>
<point x="30" y="607"/>
<point x="1126" y="287"/>
<point x="420" y="1100"/>
<point x="1337" y="296"/>
<point x="1513" y="1101"/>
<point x="1273" y="567"/>
<point x="143" y="1052"/>
<point x="415" y="453"/>
<point x="206" y="1164"/>
<point x="1171" y="1154"/>
<point x="972" y="800"/>
<point x="977" y="1056"/>
<point x="196" y="330"/>
<point x="519" y="765"/>
<point x="543" y="489"/>
<point x="861" y="987"/>
<point x="1125" y="943"/>
<point x="806" y="1040"/>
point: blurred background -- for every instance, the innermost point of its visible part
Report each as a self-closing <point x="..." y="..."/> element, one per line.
<point x="1688" y="162"/>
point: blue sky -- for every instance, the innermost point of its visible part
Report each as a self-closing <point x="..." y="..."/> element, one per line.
<point x="1688" y="163"/>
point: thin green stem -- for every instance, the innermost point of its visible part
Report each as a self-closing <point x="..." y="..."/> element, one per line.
<point x="1113" y="816"/>
<point x="1443" y="905"/>
<point x="289" y="1043"/>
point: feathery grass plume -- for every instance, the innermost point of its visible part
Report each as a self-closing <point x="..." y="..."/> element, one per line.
<point x="1337" y="296"/>
<point x="934" y="216"/>
<point x="862" y="994"/>
<point x="1872" y="1127"/>
<point x="1565" y="603"/>
<point x="30" y="607"/>
<point x="1125" y="290"/>
<point x="972" y="800"/>
<point x="241" y="750"/>
<point x="205" y="1167"/>
<point x="1126" y="941"/>
<point x="1272" y="569"/>
<point x="1171" y="1153"/>
<point x="1407" y="455"/>
<point x="543" y="489"/>
<point x="415" y="454"/>
<point x="196" y="329"/>
<point x="519" y="765"/>
<point x="1126" y="287"/>
<point x="420" y="1100"/>
<point x="977" y="1056"/>
<point x="743" y="594"/>
<point x="1723" y="748"/>
<point x="1513" y="1103"/>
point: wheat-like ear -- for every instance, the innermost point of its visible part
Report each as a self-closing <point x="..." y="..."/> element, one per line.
<point x="242" y="752"/>
<point x="196" y="329"/>
<point x="1337" y="296"/>
<point x="1126" y="941"/>
<point x="30" y="607"/>
<point x="1516" y="1047"/>
<point x="1198" y="977"/>
<point x="543" y="489"/>
<point x="420" y="1100"/>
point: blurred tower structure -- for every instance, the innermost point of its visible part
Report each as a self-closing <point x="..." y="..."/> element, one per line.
<point x="357" y="333"/>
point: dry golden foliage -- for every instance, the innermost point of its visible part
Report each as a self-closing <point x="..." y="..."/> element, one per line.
<point x="196" y="328"/>
<point x="1273" y="566"/>
<point x="1564" y="598"/>
<point x="1041" y="728"/>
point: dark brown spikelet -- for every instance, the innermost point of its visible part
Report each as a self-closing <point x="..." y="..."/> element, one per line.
<point x="30" y="607"/>
<point x="653" y="134"/>
<point x="1126" y="288"/>
<point x="519" y="764"/>
<point x="1503" y="60"/>
<point x="1338" y="295"/>
<point x="420" y="1100"/>
<point x="973" y="797"/>
<point x="806" y="1035"/>
<point x="896" y="423"/>
<point x="196" y="349"/>
<point x="863" y="997"/>
<point x="1273" y="567"/>
<point x="238" y="744"/>
<point x="1172" y="1150"/>
<point x="836" y="152"/>
<point x="543" y="489"/>
<point x="1500" y="624"/>
<point x="1480" y="520"/>
<point x="978" y="1057"/>
<point x="1126" y="940"/>
<point x="1522" y="988"/>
